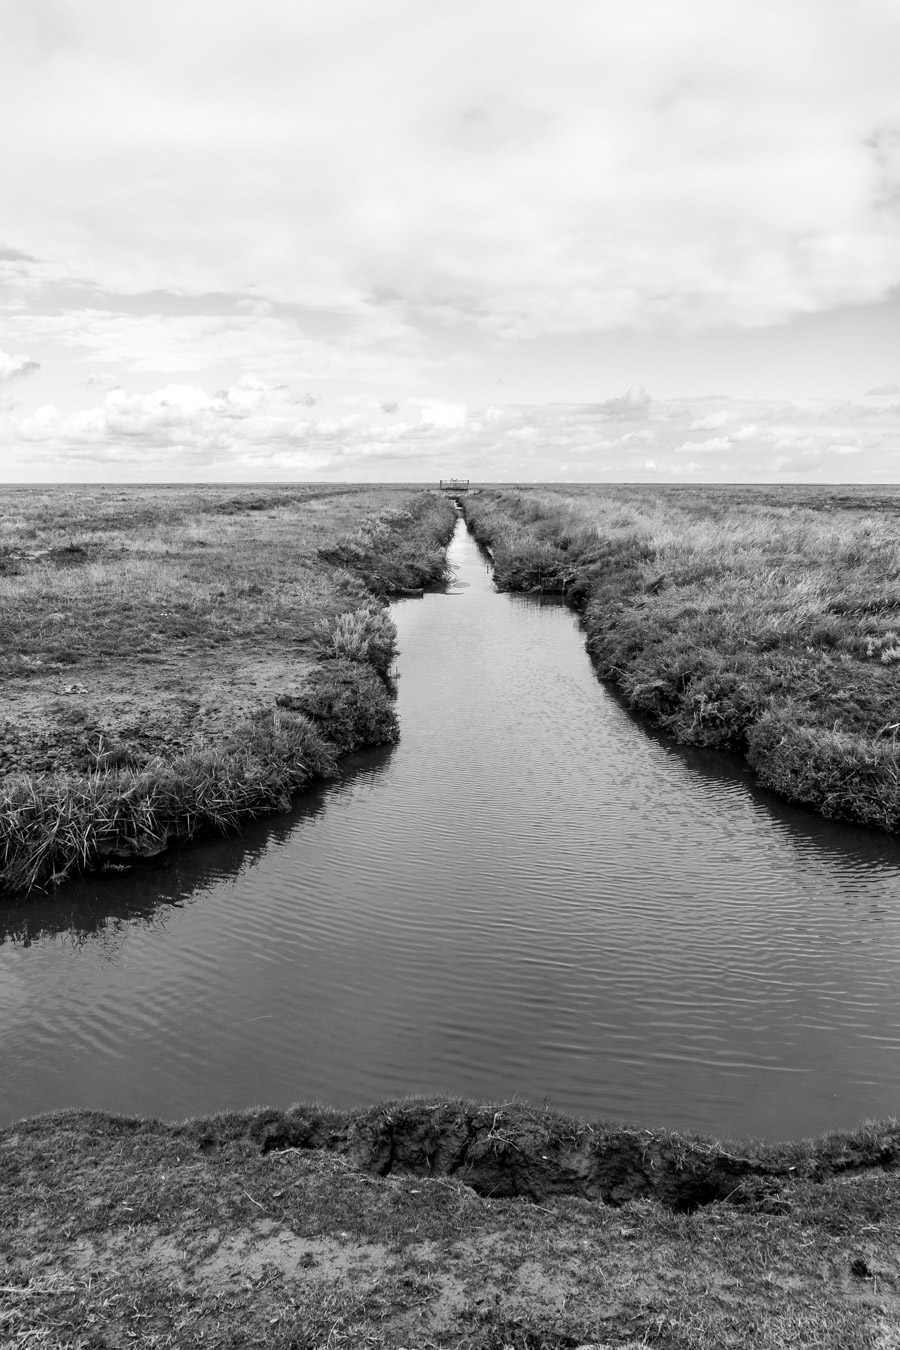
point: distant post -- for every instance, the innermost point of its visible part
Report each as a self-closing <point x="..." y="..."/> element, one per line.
<point x="453" y="486"/>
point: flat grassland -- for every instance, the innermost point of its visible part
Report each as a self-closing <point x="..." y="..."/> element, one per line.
<point x="762" y="620"/>
<point x="143" y="627"/>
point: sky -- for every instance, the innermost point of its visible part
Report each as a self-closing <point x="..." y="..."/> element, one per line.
<point x="587" y="240"/>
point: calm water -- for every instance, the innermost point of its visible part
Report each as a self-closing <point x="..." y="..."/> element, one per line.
<point x="529" y="894"/>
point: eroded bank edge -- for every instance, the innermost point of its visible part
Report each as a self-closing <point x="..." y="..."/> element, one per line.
<point x="512" y="1150"/>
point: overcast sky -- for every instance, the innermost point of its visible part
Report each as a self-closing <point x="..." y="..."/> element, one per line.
<point x="395" y="239"/>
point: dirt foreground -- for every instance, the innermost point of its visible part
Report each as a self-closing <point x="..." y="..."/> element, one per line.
<point x="439" y="1223"/>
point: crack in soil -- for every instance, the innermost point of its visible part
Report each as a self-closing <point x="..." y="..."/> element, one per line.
<point x="515" y="1152"/>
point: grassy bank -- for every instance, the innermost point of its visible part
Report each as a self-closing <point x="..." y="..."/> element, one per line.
<point x="178" y="660"/>
<point x="441" y="1224"/>
<point x="764" y="621"/>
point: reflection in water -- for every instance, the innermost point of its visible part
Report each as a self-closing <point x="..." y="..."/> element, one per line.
<point x="531" y="893"/>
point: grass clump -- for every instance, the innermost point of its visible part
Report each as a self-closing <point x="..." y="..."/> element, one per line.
<point x="349" y="703"/>
<point x="844" y="775"/>
<point x="762" y="621"/>
<point x="54" y="826"/>
<point x="365" y="635"/>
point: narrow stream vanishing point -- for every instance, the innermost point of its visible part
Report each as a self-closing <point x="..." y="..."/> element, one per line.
<point x="529" y="894"/>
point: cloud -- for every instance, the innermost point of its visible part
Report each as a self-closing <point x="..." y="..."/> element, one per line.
<point x="711" y="422"/>
<point x="581" y="169"/>
<point x="100" y="382"/>
<point x="367" y="348"/>
<point x="633" y="403"/>
<point x="253" y="306"/>
<point x="714" y="443"/>
<point x="16" y="367"/>
<point x="883" y="389"/>
<point x="255" y="428"/>
<point x="390" y="406"/>
<point x="438" y="414"/>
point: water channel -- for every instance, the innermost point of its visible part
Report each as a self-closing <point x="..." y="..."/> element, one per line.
<point x="530" y="894"/>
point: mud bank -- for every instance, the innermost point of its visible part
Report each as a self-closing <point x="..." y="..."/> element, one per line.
<point x="389" y="1228"/>
<point x="512" y="1151"/>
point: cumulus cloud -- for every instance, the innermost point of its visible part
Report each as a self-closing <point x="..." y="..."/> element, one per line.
<point x="711" y="422"/>
<point x="633" y="403"/>
<point x="254" y="428"/>
<point x="390" y="406"/>
<point x="16" y="367"/>
<point x="438" y="414"/>
<point x="881" y="390"/>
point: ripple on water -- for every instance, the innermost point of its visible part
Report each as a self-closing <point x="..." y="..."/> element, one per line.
<point x="529" y="894"/>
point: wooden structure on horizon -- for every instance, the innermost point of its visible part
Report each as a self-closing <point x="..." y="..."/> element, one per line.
<point x="452" y="486"/>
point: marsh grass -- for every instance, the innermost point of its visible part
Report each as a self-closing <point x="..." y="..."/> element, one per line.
<point x="400" y="550"/>
<point x="201" y="575"/>
<point x="350" y="702"/>
<point x="52" y="826"/>
<point x="764" y="622"/>
<point x="158" y="568"/>
<point x="366" y="634"/>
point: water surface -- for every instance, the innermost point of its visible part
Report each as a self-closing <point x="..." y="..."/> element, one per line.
<point x="529" y="894"/>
